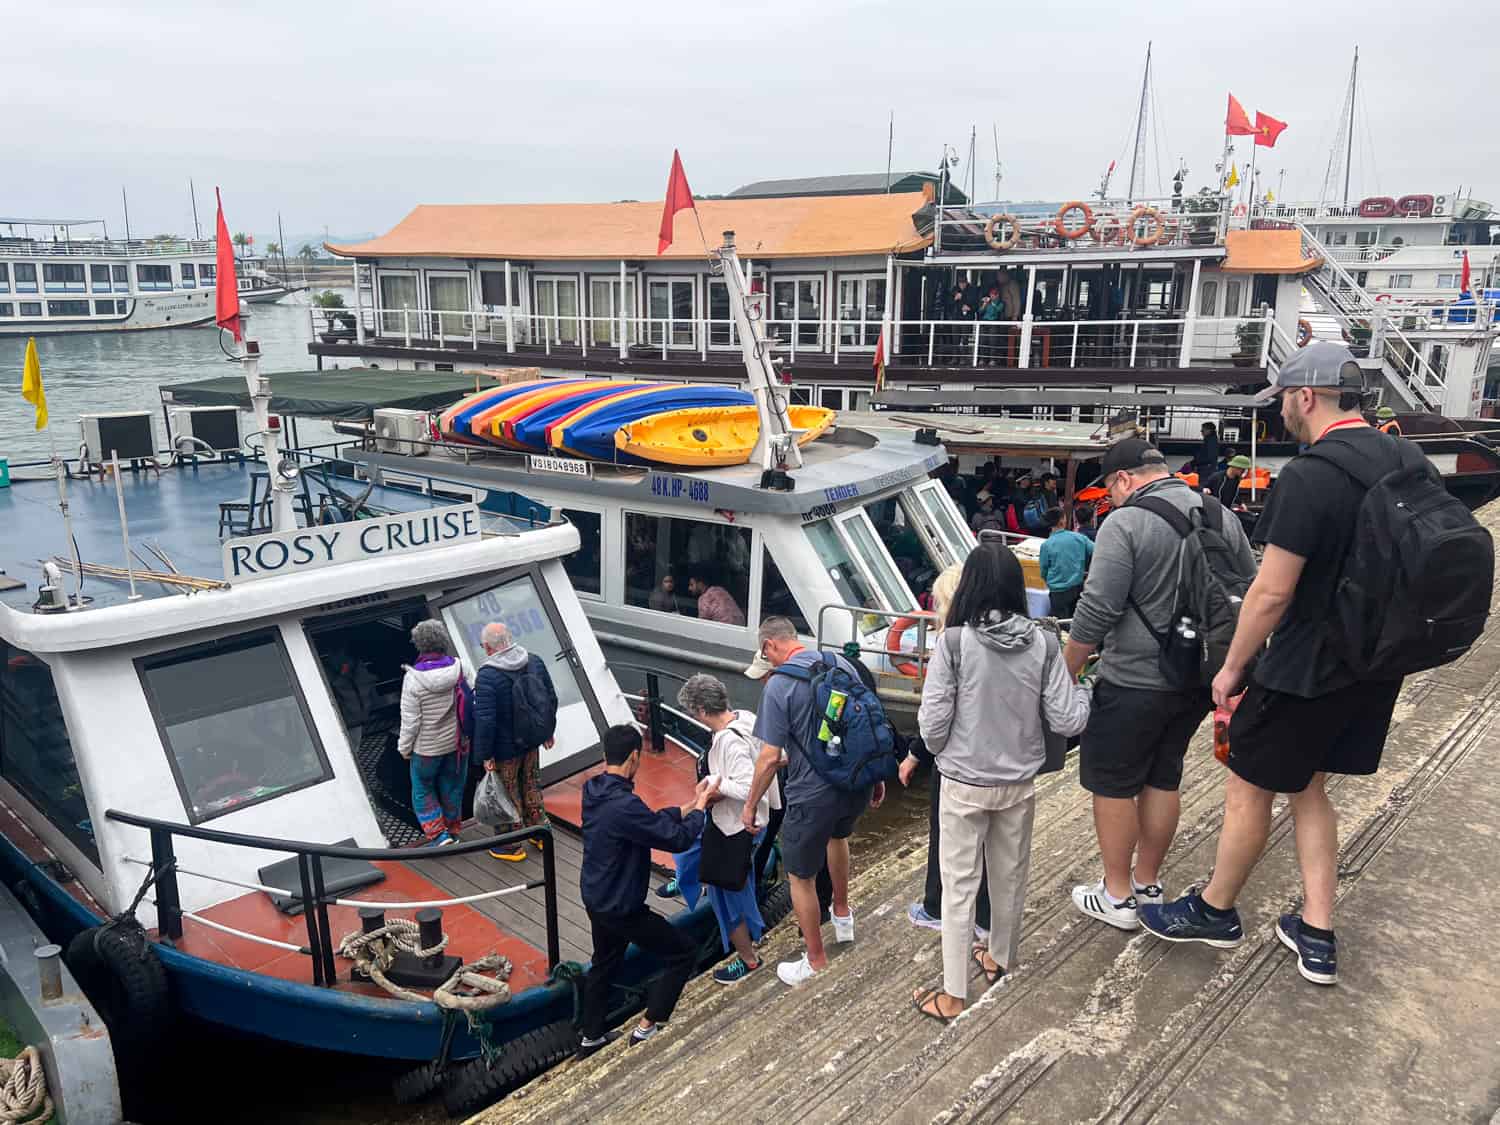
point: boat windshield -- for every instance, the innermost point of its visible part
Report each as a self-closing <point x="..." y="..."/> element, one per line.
<point x="921" y="531"/>
<point x="861" y="569"/>
<point x="233" y="722"/>
<point x="516" y="604"/>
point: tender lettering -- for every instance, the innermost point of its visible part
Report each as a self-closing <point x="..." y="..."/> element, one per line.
<point x="841" y="492"/>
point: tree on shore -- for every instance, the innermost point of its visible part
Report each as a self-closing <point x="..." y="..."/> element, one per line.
<point x="307" y="253"/>
<point x="241" y="241"/>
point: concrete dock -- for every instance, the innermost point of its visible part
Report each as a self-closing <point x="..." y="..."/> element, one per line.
<point x="1099" y="1025"/>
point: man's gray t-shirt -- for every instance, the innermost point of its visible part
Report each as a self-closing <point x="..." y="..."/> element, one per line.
<point x="784" y="719"/>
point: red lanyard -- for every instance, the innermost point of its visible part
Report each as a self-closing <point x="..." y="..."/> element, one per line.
<point x="1336" y="425"/>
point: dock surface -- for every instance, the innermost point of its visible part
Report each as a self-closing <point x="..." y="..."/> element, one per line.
<point x="1103" y="1026"/>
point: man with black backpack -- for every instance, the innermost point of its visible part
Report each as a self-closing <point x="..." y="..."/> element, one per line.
<point x="515" y="715"/>
<point x="1160" y="599"/>
<point x="1372" y="571"/>
<point x="828" y="723"/>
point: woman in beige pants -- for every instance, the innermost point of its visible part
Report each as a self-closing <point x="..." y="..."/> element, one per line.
<point x="993" y="679"/>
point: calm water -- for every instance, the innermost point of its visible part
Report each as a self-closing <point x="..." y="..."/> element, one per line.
<point x="105" y="371"/>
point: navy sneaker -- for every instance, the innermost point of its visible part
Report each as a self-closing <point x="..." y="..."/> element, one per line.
<point x="1185" y="920"/>
<point x="734" y="972"/>
<point x="669" y="889"/>
<point x="593" y="1046"/>
<point x="1317" y="960"/>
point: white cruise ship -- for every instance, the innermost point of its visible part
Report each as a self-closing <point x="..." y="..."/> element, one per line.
<point x="62" y="283"/>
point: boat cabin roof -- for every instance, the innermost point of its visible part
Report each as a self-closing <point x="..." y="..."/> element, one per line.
<point x="989" y="435"/>
<point x="845" y="465"/>
<point x="350" y="395"/>
<point x="177" y="511"/>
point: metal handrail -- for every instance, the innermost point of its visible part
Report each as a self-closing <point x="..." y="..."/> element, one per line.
<point x="314" y="894"/>
<point x="923" y="617"/>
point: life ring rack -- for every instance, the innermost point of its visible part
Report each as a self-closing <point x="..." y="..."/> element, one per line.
<point x="893" y="647"/>
<point x="1002" y="243"/>
<point x="1070" y="233"/>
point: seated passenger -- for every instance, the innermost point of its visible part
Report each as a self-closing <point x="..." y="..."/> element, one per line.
<point x="714" y="602"/>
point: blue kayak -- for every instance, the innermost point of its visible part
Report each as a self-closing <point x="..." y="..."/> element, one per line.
<point x="457" y="420"/>
<point x="590" y="431"/>
<point x="530" y="430"/>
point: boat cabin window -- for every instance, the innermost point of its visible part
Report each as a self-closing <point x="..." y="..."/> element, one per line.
<point x="121" y="277"/>
<point x="153" y="277"/>
<point x="865" y="542"/>
<point x="4" y="278"/>
<point x="849" y="579"/>
<point x="36" y="755"/>
<point x="776" y="597"/>
<point x="234" y="723"/>
<point x="517" y="605"/>
<point x="691" y="567"/>
<point x="7" y="309"/>
<point x="100" y="278"/>
<point x="25" y="277"/>
<point x="584" y="565"/>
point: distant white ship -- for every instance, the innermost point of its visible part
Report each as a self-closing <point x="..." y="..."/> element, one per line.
<point x="66" y="284"/>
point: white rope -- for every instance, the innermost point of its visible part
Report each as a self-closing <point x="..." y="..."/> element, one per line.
<point x="374" y="952"/>
<point x="23" y="1088"/>
<point x="355" y="902"/>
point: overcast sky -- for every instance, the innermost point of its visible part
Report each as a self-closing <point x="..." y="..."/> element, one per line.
<point x="347" y="115"/>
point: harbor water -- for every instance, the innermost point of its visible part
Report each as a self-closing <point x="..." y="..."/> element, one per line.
<point x="96" y="372"/>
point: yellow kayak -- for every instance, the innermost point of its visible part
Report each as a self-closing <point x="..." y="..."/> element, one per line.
<point x="710" y="435"/>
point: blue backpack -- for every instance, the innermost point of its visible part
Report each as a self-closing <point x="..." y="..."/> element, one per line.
<point x="866" y="752"/>
<point x="1034" y="515"/>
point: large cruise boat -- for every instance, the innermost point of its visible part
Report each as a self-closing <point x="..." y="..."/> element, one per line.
<point x="64" y="283"/>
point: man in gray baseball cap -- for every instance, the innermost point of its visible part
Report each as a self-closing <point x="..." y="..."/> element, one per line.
<point x="1322" y="366"/>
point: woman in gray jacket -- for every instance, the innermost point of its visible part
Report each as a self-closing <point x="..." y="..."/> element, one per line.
<point x="992" y="680"/>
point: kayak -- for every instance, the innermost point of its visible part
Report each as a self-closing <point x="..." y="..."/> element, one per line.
<point x="710" y="435"/>
<point x="487" y="424"/>
<point x="455" y="421"/>
<point x="589" y="431"/>
<point x="528" y="430"/>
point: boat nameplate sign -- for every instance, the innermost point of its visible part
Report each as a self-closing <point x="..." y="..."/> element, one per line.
<point x="277" y="553"/>
<point x="565" y="465"/>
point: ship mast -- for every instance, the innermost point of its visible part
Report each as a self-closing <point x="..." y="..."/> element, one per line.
<point x="1138" y="153"/>
<point x="1341" y="156"/>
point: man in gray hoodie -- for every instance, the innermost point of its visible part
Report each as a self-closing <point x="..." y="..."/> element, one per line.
<point x="1132" y="750"/>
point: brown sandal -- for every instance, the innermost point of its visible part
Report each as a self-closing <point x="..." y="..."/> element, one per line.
<point x="924" y="996"/>
<point x="992" y="976"/>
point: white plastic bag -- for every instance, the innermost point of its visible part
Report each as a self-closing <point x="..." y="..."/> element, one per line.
<point x="492" y="805"/>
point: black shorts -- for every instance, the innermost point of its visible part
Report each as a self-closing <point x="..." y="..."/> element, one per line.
<point x="810" y="825"/>
<point x="1278" y="741"/>
<point x="1137" y="738"/>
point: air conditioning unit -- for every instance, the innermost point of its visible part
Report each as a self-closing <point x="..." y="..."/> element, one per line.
<point x="217" y="427"/>
<point x="1440" y="205"/>
<point x="128" y="433"/>
<point x="402" y="431"/>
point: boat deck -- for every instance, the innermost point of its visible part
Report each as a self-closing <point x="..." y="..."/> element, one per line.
<point x="514" y="925"/>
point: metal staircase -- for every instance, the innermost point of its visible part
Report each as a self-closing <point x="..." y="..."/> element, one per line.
<point x="1392" y="353"/>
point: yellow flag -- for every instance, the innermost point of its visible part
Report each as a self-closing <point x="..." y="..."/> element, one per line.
<point x="1234" y="177"/>
<point x="31" y="384"/>
<point x="1270" y="196"/>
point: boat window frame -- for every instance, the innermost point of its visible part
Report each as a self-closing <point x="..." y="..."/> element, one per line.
<point x="855" y="514"/>
<point x="623" y="554"/>
<point x="671" y="324"/>
<point x="601" y="514"/>
<point x="192" y="651"/>
<point x="928" y="526"/>
<point x="392" y="322"/>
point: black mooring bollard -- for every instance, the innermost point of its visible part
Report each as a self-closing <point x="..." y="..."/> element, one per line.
<point x="371" y="918"/>
<point x="430" y="932"/>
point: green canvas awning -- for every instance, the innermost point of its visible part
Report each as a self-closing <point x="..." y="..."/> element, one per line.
<point x="350" y="395"/>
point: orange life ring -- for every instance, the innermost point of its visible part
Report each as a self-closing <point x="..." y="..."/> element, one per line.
<point x="1304" y="333"/>
<point x="1002" y="243"/>
<point x="1070" y="233"/>
<point x="1150" y="215"/>
<point x="1108" y="231"/>
<point x="893" y="647"/>
<point x="1381" y="298"/>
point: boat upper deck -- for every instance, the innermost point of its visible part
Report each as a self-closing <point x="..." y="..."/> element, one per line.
<point x="187" y="512"/>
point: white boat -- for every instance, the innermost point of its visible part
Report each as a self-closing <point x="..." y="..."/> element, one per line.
<point x="67" y="284"/>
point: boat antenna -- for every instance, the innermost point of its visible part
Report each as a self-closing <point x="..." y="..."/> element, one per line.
<point x="1341" y="155"/>
<point x="1349" y="153"/>
<point x="776" y="448"/>
<point x="193" y="195"/>
<point x="890" y="152"/>
<point x="973" y="163"/>
<point x="126" y="204"/>
<point x="1138" y="152"/>
<point x="995" y="130"/>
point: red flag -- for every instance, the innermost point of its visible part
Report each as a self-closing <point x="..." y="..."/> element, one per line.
<point x="1236" y="121"/>
<point x="880" y="362"/>
<point x="226" y="286"/>
<point x="1267" y="129"/>
<point x="679" y="197"/>
<point x="1463" y="280"/>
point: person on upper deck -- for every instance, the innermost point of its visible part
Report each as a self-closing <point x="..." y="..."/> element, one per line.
<point x="619" y="831"/>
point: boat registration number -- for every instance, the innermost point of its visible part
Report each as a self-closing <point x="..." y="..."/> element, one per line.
<point x="675" y="488"/>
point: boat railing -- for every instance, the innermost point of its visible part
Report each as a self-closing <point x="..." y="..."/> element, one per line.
<point x="312" y="890"/>
<point x="662" y="720"/>
<point x="924" y="621"/>
<point x="106" y="248"/>
<point x="1048" y="338"/>
<point x="1079" y="226"/>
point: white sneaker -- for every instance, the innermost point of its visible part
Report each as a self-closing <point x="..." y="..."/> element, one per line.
<point x="1149" y="895"/>
<point x="1090" y="899"/>
<point x="796" y="972"/>
<point x="843" y="928"/>
<point x="981" y="935"/>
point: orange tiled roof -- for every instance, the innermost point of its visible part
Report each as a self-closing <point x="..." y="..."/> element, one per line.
<point x="802" y="227"/>
<point x="1266" y="251"/>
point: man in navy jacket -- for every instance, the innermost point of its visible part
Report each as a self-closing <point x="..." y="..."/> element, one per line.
<point x="619" y="831"/>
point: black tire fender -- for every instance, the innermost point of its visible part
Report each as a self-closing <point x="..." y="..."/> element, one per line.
<point x="472" y="1086"/>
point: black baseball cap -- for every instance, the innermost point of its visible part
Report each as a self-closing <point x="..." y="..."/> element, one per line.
<point x="1129" y="454"/>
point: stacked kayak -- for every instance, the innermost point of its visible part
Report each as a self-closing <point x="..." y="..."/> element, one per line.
<point x="632" y="422"/>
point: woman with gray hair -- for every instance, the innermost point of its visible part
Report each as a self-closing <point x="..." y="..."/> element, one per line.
<point x="432" y="705"/>
<point x="731" y="757"/>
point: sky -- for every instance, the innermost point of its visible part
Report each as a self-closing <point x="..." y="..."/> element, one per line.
<point x="345" y="116"/>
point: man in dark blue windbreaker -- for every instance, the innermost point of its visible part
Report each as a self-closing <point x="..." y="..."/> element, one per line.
<point x="619" y="831"/>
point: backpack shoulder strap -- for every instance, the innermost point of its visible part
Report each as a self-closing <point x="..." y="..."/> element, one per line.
<point x="1343" y="455"/>
<point x="1167" y="511"/>
<point x="1213" y="515"/>
<point x="953" y="641"/>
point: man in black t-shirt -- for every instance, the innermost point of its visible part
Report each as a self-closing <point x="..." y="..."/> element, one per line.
<point x="1303" y="714"/>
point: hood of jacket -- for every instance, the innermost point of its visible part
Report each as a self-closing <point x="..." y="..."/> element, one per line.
<point x="435" y="676"/>
<point x="1011" y="633"/>
<point x="512" y="659"/>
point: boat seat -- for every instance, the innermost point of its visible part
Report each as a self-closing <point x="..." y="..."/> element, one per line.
<point x="339" y="877"/>
<point x="253" y="516"/>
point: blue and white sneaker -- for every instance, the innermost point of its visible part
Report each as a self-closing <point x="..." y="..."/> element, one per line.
<point x="1185" y="920"/>
<point x="734" y="972"/>
<point x="669" y="889"/>
<point x="917" y="915"/>
<point x="1317" y="960"/>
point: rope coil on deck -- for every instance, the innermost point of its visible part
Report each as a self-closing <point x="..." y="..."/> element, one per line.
<point x="374" y="952"/>
<point x="23" y="1088"/>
